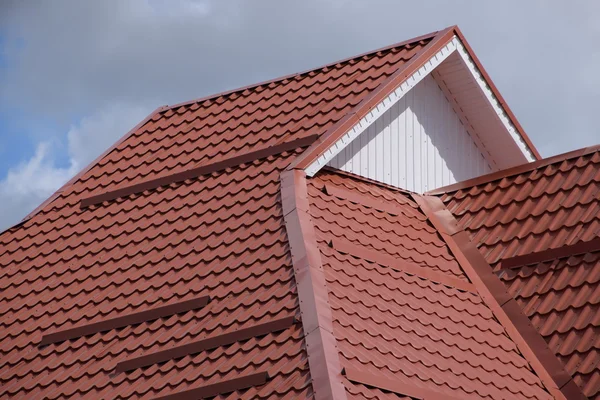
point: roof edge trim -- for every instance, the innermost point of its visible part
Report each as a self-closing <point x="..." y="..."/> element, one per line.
<point x="511" y="116"/>
<point x="197" y="171"/>
<point x="498" y="105"/>
<point x="317" y="320"/>
<point x="394" y="386"/>
<point x="338" y="136"/>
<point x="517" y="170"/>
<point x="530" y="343"/>
<point x="396" y="86"/>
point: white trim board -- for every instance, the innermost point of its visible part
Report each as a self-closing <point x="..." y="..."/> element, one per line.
<point x="454" y="45"/>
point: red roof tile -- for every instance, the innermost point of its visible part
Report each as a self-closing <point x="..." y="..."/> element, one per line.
<point x="218" y="232"/>
<point x="298" y="280"/>
<point x="221" y="235"/>
<point x="538" y="225"/>
<point x="389" y="323"/>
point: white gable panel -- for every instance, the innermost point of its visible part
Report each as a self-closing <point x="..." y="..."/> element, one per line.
<point x="419" y="144"/>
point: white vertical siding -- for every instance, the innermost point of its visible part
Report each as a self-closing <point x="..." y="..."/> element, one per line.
<point x="419" y="144"/>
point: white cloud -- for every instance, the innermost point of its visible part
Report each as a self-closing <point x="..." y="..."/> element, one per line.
<point x="96" y="132"/>
<point x="31" y="182"/>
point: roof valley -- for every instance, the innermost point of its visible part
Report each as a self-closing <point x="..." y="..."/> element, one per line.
<point x="518" y="327"/>
<point x="321" y="344"/>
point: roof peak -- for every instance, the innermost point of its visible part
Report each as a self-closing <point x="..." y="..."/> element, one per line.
<point x="427" y="36"/>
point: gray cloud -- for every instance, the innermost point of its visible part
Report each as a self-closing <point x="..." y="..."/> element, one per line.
<point x="93" y="62"/>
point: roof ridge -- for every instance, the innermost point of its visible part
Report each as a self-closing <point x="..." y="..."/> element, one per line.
<point x="530" y="343"/>
<point x="311" y="287"/>
<point x="426" y="36"/>
<point x="512" y="171"/>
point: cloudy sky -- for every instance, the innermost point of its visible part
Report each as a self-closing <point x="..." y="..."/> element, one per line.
<point x="76" y="75"/>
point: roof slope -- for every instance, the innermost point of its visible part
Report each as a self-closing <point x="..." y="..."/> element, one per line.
<point x="538" y="225"/>
<point x="402" y="307"/>
<point x="220" y="236"/>
<point x="220" y="127"/>
<point x="169" y="267"/>
<point x="109" y="265"/>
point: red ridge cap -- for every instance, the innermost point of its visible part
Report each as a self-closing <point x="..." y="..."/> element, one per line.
<point x="125" y="320"/>
<point x="317" y="320"/>
<point x="228" y="386"/>
<point x="206" y="344"/>
<point x="551" y="254"/>
<point x="376" y="96"/>
<point x="506" y="310"/>
<point x="295" y="74"/>
<point x="198" y="171"/>
<point x="394" y="386"/>
<point x="517" y="170"/>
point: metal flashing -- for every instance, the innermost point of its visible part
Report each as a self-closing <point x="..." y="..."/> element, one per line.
<point x="444" y="44"/>
<point x="518" y="327"/>
<point x="519" y="169"/>
<point x="224" y="387"/>
<point x="96" y="161"/>
<point x="551" y="254"/>
<point x="340" y="133"/>
<point x="321" y="345"/>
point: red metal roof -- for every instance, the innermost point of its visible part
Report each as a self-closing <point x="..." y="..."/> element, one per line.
<point x="538" y="225"/>
<point x="412" y="328"/>
<point x="192" y="260"/>
<point x="109" y="268"/>
<point x="220" y="235"/>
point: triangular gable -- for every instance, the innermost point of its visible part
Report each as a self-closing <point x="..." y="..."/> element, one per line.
<point x="470" y="113"/>
<point x="419" y="144"/>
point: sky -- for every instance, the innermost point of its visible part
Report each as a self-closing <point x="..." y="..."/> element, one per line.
<point x="76" y="75"/>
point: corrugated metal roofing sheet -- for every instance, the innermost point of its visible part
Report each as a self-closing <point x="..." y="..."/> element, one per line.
<point x="549" y="211"/>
